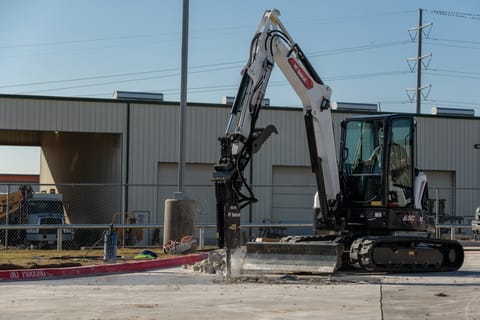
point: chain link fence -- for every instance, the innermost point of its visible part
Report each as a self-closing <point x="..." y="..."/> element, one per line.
<point x="87" y="210"/>
<point x="62" y="204"/>
<point x="30" y="216"/>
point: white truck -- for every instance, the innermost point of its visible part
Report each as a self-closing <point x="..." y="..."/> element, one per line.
<point x="476" y="224"/>
<point x="34" y="208"/>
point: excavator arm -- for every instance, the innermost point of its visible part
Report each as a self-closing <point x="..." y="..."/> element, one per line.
<point x="272" y="44"/>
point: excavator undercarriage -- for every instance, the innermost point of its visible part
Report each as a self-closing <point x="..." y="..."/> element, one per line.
<point x="318" y="255"/>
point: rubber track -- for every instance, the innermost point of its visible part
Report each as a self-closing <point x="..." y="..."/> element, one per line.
<point x="362" y="254"/>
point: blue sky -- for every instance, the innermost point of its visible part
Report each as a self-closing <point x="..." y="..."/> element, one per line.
<point x="359" y="48"/>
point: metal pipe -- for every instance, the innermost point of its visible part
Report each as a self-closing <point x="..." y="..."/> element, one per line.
<point x="201" y="239"/>
<point x="7" y="218"/>
<point x="437" y="203"/>
<point x="146" y="226"/>
<point x="77" y="226"/>
<point x="59" y="239"/>
<point x="183" y="97"/>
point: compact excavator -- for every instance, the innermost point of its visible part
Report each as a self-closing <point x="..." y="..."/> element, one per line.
<point x="371" y="202"/>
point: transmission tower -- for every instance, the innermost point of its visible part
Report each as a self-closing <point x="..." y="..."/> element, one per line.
<point x="420" y="60"/>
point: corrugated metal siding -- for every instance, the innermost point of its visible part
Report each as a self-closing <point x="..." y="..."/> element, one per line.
<point x="447" y="144"/>
<point x="289" y="145"/>
<point x="443" y="143"/>
<point x="153" y="139"/>
<point x="62" y="115"/>
<point x="293" y="192"/>
<point x="204" y="126"/>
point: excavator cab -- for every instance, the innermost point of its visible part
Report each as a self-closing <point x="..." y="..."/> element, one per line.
<point x="377" y="170"/>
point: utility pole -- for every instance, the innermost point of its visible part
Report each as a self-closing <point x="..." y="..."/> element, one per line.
<point x="183" y="99"/>
<point x="179" y="213"/>
<point x="418" y="60"/>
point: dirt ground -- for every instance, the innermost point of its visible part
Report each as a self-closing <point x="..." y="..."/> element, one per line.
<point x="30" y="259"/>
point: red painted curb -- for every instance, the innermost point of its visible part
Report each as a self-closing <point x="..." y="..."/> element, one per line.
<point x="138" y="266"/>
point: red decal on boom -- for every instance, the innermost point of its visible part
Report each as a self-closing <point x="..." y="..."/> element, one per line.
<point x="302" y="75"/>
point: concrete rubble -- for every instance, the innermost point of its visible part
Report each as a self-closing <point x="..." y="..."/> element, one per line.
<point x="214" y="264"/>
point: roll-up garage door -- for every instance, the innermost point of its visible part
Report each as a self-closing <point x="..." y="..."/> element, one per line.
<point x="293" y="191"/>
<point x="441" y="184"/>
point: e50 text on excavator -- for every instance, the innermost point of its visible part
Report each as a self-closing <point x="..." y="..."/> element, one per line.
<point x="370" y="206"/>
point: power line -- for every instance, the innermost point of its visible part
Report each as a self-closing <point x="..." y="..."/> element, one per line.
<point x="454" y="74"/>
<point x="393" y="102"/>
<point x="380" y="102"/>
<point x="358" y="48"/>
<point x="235" y="63"/>
<point x="120" y="81"/>
<point x="458" y="103"/>
<point x="367" y="75"/>
<point x="453" y="46"/>
<point x="352" y="17"/>
<point x="64" y="42"/>
<point x="454" y="40"/>
<point x="85" y="78"/>
<point x="311" y="54"/>
<point x="205" y="89"/>
<point x="455" y="14"/>
<point x="219" y="88"/>
<point x="369" y="46"/>
<point x="339" y="19"/>
<point x="97" y="84"/>
<point x="455" y="71"/>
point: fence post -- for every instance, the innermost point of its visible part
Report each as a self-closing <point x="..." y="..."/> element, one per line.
<point x="59" y="239"/>
<point x="437" y="204"/>
<point x="7" y="218"/>
<point x="202" y="238"/>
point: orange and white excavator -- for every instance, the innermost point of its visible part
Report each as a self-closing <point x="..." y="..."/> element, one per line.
<point x="370" y="205"/>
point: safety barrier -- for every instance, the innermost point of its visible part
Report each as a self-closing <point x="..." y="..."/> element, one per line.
<point x="200" y="229"/>
<point x="94" y="207"/>
<point x="453" y="227"/>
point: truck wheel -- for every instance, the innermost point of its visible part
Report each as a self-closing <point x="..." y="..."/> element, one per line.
<point x="43" y="245"/>
<point x="30" y="245"/>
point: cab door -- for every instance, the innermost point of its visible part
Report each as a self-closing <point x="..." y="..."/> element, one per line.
<point x="400" y="165"/>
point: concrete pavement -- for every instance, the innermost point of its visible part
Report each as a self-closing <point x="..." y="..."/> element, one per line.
<point x="179" y="293"/>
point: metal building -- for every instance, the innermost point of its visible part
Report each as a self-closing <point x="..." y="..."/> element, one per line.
<point x="129" y="149"/>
